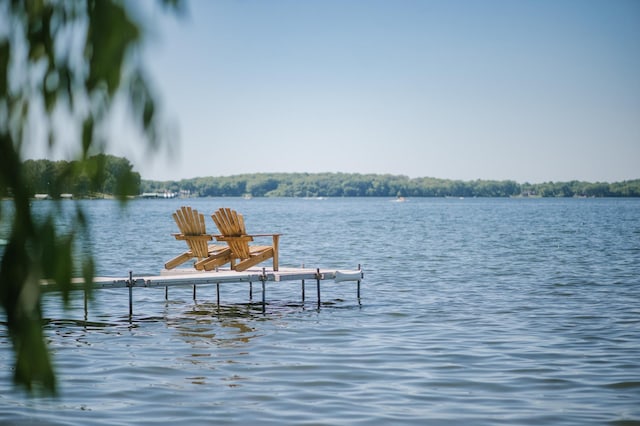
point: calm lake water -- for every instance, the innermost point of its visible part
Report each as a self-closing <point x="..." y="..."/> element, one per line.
<point x="473" y="311"/>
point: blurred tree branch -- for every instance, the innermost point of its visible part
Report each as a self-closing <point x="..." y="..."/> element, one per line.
<point x="70" y="59"/>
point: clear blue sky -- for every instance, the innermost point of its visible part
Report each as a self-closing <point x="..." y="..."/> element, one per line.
<point x="530" y="90"/>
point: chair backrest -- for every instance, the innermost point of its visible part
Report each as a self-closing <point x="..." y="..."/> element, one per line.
<point x="191" y="224"/>
<point x="231" y="225"/>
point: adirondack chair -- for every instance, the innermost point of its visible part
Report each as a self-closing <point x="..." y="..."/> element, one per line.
<point x="233" y="232"/>
<point x="193" y="231"/>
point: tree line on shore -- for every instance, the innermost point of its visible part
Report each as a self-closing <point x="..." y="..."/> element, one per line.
<point x="100" y="175"/>
<point x="119" y="179"/>
<point x="381" y="185"/>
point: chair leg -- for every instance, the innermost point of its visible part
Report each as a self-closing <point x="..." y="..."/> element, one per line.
<point x="211" y="263"/>
<point x="254" y="260"/>
<point x="178" y="260"/>
<point x="215" y="259"/>
<point x="276" y="239"/>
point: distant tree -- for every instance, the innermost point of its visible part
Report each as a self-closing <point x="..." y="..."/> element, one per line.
<point x="70" y="59"/>
<point x="260" y="185"/>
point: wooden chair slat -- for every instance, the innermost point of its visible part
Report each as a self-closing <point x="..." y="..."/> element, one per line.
<point x="232" y="228"/>
<point x="192" y="226"/>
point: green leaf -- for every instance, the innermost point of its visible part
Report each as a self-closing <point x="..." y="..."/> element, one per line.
<point x="33" y="364"/>
<point x="87" y="135"/>
<point x="5" y="50"/>
<point x="106" y="54"/>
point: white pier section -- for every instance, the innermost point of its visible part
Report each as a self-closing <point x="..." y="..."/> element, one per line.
<point x="191" y="277"/>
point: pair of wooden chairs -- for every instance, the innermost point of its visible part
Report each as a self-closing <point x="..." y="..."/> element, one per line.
<point x="236" y="251"/>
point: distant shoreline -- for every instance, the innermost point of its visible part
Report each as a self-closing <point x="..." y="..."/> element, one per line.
<point x="49" y="179"/>
<point x="141" y="197"/>
<point x="379" y="185"/>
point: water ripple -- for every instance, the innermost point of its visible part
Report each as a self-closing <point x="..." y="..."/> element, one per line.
<point x="493" y="312"/>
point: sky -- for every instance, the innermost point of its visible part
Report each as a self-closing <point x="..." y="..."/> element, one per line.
<point x="528" y="90"/>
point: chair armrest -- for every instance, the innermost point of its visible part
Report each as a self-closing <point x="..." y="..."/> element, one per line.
<point x="233" y="238"/>
<point x="193" y="237"/>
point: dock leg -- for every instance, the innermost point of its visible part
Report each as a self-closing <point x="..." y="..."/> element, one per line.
<point x="263" y="278"/>
<point x="318" y="285"/>
<point x="250" y="291"/>
<point x="166" y="293"/>
<point x="359" y="269"/>
<point x="130" y="295"/>
<point x="218" y="293"/>
<point x="361" y="276"/>
<point x="302" y="266"/>
<point x="194" y="292"/>
<point x="86" y="311"/>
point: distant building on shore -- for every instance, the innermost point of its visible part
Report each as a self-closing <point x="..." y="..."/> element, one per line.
<point x="165" y="194"/>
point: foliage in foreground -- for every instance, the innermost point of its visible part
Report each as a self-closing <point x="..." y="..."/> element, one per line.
<point x="60" y="62"/>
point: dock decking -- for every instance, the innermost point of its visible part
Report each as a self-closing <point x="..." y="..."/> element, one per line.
<point x="191" y="277"/>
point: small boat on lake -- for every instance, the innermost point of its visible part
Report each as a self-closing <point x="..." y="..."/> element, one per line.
<point x="399" y="199"/>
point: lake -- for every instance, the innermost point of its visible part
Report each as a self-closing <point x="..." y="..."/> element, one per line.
<point x="473" y="311"/>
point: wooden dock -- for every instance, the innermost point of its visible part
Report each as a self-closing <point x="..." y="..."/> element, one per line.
<point x="192" y="277"/>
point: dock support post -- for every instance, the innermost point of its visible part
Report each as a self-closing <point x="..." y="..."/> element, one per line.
<point x="250" y="291"/>
<point x="166" y="292"/>
<point x="263" y="278"/>
<point x="359" y="269"/>
<point x="194" y="292"/>
<point x="218" y="293"/>
<point x="130" y="285"/>
<point x="318" y="285"/>
<point x="86" y="310"/>
<point x="302" y="286"/>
